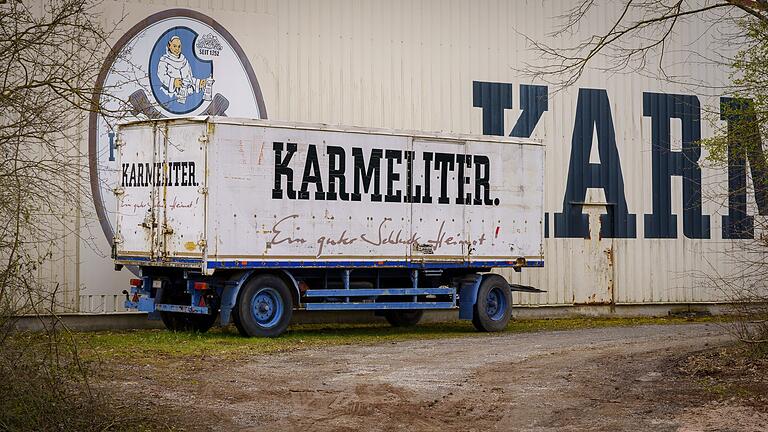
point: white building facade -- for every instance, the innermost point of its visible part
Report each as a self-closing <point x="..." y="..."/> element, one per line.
<point x="632" y="211"/>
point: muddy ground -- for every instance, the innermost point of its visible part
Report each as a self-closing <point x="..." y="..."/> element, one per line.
<point x="608" y="379"/>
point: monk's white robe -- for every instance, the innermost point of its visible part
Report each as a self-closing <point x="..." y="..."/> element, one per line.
<point x="171" y="67"/>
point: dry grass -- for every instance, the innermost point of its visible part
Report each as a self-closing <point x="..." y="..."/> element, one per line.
<point x="156" y="345"/>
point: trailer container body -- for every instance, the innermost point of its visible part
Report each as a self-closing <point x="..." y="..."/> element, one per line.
<point x="345" y="218"/>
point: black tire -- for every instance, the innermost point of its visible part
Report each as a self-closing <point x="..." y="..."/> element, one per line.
<point x="493" y="308"/>
<point x="201" y="323"/>
<point x="264" y="307"/>
<point x="237" y="323"/>
<point x="182" y="322"/>
<point x="173" y="322"/>
<point x="404" y="318"/>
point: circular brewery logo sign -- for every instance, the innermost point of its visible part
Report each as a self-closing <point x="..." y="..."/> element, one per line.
<point x="174" y="63"/>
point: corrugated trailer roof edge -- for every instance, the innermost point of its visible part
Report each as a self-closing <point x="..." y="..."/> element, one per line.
<point x="428" y="135"/>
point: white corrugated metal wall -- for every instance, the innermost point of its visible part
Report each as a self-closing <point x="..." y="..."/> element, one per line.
<point x="412" y="65"/>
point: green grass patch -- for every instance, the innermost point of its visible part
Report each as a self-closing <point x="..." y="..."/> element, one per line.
<point x="227" y="343"/>
<point x="726" y="390"/>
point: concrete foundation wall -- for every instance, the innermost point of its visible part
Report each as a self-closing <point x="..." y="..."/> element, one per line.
<point x="135" y="320"/>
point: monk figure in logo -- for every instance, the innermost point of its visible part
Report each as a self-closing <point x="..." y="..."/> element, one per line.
<point x="176" y="75"/>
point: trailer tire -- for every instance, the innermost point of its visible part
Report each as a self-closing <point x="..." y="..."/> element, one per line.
<point x="403" y="318"/>
<point x="236" y="322"/>
<point x="173" y="322"/>
<point x="202" y="323"/>
<point x="264" y="307"/>
<point x="182" y="322"/>
<point x="493" y="308"/>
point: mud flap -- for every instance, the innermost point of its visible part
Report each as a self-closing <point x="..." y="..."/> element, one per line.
<point x="228" y="299"/>
<point x="468" y="296"/>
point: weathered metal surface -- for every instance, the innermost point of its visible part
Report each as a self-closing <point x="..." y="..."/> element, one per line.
<point x="287" y="194"/>
<point x="161" y="206"/>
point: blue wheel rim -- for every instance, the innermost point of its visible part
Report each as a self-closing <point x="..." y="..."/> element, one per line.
<point x="267" y="307"/>
<point x="496" y="304"/>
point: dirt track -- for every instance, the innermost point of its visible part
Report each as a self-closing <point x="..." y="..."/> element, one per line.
<point x="600" y="379"/>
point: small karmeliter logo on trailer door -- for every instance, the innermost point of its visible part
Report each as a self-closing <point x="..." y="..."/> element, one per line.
<point x="174" y="63"/>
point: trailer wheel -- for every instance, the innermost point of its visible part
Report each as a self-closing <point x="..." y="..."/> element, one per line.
<point x="264" y="307"/>
<point x="201" y="323"/>
<point x="175" y="321"/>
<point x="236" y="321"/>
<point x="180" y="322"/>
<point x="493" y="308"/>
<point x="403" y="318"/>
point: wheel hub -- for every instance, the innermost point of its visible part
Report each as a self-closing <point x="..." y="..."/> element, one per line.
<point x="495" y="305"/>
<point x="492" y="306"/>
<point x="267" y="307"/>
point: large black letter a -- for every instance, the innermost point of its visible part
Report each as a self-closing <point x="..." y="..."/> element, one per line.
<point x="593" y="113"/>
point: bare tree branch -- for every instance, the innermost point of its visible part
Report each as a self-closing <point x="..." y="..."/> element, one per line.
<point x="641" y="28"/>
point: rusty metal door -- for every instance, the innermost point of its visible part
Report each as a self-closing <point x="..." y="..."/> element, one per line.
<point x="181" y="198"/>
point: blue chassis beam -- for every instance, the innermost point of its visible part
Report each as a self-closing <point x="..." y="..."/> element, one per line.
<point x="148" y="305"/>
<point x="371" y="264"/>
<point x="366" y="292"/>
<point x="467" y="290"/>
<point x="187" y="262"/>
<point x="314" y="306"/>
<point x="379" y="306"/>
<point x="181" y="308"/>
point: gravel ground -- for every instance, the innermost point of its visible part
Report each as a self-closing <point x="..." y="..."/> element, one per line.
<point x="607" y="379"/>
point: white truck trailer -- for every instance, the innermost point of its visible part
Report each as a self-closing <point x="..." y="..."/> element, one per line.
<point x="248" y="220"/>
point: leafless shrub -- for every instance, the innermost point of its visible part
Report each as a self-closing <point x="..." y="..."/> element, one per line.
<point x="50" y="54"/>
